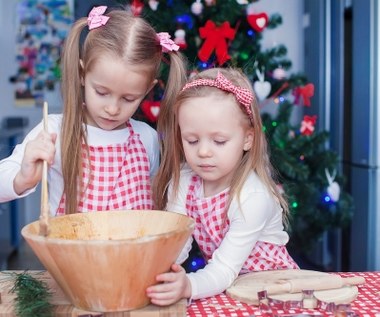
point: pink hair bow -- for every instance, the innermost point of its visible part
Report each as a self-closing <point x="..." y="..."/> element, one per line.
<point x="167" y="44"/>
<point x="243" y="95"/>
<point x="96" y="18"/>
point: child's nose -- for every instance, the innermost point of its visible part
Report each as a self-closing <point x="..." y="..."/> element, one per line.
<point x="204" y="149"/>
<point x="112" y="108"/>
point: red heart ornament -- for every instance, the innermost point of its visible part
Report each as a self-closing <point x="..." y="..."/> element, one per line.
<point x="151" y="109"/>
<point x="258" y="22"/>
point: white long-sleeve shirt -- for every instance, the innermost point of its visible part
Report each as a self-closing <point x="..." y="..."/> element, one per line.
<point x="96" y="137"/>
<point x="259" y="219"/>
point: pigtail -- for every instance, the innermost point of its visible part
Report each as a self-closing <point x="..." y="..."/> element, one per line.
<point x="72" y="133"/>
<point x="166" y="129"/>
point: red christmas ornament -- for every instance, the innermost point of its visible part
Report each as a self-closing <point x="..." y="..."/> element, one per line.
<point x="151" y="109"/>
<point x="258" y="22"/>
<point x="136" y="7"/>
<point x="304" y="92"/>
<point x="215" y="39"/>
<point x="308" y="125"/>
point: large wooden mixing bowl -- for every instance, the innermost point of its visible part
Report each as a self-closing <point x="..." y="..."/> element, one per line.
<point x="104" y="261"/>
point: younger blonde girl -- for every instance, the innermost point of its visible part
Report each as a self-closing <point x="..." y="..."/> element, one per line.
<point x="219" y="173"/>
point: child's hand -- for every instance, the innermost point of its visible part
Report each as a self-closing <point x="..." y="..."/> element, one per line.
<point x="36" y="151"/>
<point x="175" y="285"/>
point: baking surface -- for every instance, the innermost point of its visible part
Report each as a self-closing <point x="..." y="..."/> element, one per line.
<point x="63" y="307"/>
<point x="366" y="304"/>
<point x="246" y="286"/>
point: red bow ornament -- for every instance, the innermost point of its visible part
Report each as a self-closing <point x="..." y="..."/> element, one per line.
<point x="258" y="22"/>
<point x="151" y="109"/>
<point x="308" y="125"/>
<point x="304" y="92"/>
<point x="215" y="39"/>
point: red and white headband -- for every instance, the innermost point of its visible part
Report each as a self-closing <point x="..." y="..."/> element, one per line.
<point x="243" y="95"/>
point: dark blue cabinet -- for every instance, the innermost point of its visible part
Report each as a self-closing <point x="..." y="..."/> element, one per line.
<point x="9" y="211"/>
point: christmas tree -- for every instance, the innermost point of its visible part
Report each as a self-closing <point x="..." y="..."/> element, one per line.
<point x="228" y="33"/>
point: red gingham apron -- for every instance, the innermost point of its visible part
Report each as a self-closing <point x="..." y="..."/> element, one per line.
<point x="120" y="177"/>
<point x="211" y="226"/>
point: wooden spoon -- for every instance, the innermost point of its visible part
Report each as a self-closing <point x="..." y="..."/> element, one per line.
<point x="44" y="215"/>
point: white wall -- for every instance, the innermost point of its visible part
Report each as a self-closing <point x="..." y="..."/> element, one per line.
<point x="290" y="33"/>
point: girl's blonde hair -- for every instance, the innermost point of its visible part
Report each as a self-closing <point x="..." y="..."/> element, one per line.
<point x="126" y="37"/>
<point x="256" y="159"/>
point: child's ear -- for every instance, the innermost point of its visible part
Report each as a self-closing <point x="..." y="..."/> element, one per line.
<point x="248" y="139"/>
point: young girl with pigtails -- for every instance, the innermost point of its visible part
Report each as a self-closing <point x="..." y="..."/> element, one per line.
<point x="218" y="172"/>
<point x="99" y="157"/>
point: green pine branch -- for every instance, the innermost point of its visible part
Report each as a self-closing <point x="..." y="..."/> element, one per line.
<point x="32" y="296"/>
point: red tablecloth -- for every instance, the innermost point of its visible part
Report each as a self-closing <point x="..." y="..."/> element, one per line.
<point x="366" y="304"/>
